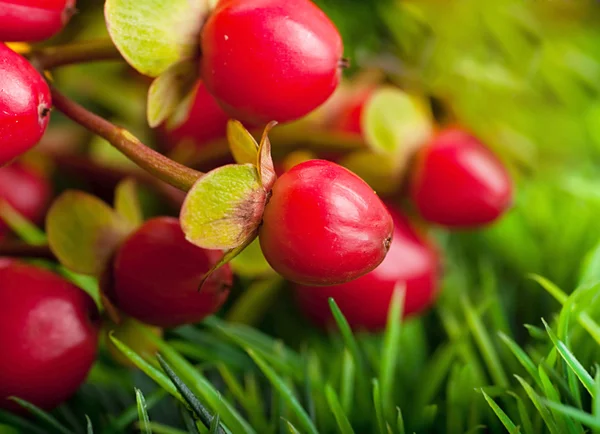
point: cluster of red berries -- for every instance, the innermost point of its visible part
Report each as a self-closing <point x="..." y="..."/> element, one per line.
<point x="323" y="227"/>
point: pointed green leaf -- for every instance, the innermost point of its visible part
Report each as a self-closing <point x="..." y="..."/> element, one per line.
<point x="334" y="405"/>
<point x="574" y="413"/>
<point x="83" y="232"/>
<point x="266" y="169"/>
<point x="286" y="393"/>
<point x="144" y="420"/>
<point x="153" y="35"/>
<point x="243" y="146"/>
<point x="169" y="90"/>
<point x="127" y="202"/>
<point x="224" y="207"/>
<point x="43" y="416"/>
<point x="508" y="424"/>
<point x="24" y="229"/>
<point x="534" y="397"/>
<point x="396" y="123"/>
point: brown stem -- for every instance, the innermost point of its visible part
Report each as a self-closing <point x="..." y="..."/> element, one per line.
<point x="148" y="159"/>
<point x="19" y="249"/>
<point x="77" y="52"/>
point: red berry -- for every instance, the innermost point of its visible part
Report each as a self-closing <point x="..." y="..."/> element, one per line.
<point x="33" y="20"/>
<point x="24" y="105"/>
<point x="205" y="122"/>
<point x="324" y="225"/>
<point x="48" y="336"/>
<point x="157" y="273"/>
<point x="411" y="261"/>
<point x="25" y="190"/>
<point x="458" y="182"/>
<point x="270" y="60"/>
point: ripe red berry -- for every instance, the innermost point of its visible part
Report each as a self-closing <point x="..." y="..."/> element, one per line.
<point x="458" y="182"/>
<point x="24" y="105"/>
<point x="48" y="336"/>
<point x="205" y="122"/>
<point x="324" y="225"/>
<point x="270" y="60"/>
<point x="412" y="262"/>
<point x="157" y="273"/>
<point x="25" y="190"/>
<point x="33" y="20"/>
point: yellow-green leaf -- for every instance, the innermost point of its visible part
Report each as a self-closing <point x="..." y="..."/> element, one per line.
<point x="169" y="89"/>
<point x="396" y="123"/>
<point x="224" y="208"/>
<point x="243" y="146"/>
<point x="266" y="169"/>
<point x="83" y="232"/>
<point x="127" y="202"/>
<point x="153" y="35"/>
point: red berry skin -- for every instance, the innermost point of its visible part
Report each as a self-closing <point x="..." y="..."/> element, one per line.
<point x="350" y="118"/>
<point x="24" y="105"/>
<point x="270" y="60"/>
<point x="48" y="336"/>
<point x="324" y="225"/>
<point x="206" y="121"/>
<point x="33" y="20"/>
<point x="26" y="191"/>
<point x="457" y="182"/>
<point x="411" y="262"/>
<point x="157" y="273"/>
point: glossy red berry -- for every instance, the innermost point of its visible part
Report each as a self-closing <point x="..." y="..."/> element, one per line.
<point x="270" y="60"/>
<point x="412" y="263"/>
<point x="157" y="273"/>
<point x="33" y="20"/>
<point x="324" y="225"/>
<point x="48" y="336"/>
<point x="24" y="105"/>
<point x="458" y="182"/>
<point x="205" y="122"/>
<point x="26" y="191"/>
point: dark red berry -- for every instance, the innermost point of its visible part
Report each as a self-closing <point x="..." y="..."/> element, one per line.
<point x="411" y="263"/>
<point x="458" y="182"/>
<point x="205" y="122"/>
<point x="157" y="273"/>
<point x="48" y="336"/>
<point x="324" y="225"/>
<point x="270" y="60"/>
<point x="24" y="105"/>
<point x="26" y="191"/>
<point x="33" y="20"/>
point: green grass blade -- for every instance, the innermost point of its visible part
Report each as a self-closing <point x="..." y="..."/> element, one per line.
<point x="521" y="356"/>
<point x="215" y="425"/>
<point x="506" y="421"/>
<point x="347" y="382"/>
<point x="161" y="379"/>
<point x="142" y="413"/>
<point x="524" y="418"/>
<point x="158" y="428"/>
<point x="544" y="413"/>
<point x="286" y="393"/>
<point x="127" y="417"/>
<point x="336" y="408"/>
<point x="201" y="412"/>
<point x="291" y="428"/>
<point x="89" y="427"/>
<point x="391" y="350"/>
<point x="574" y="413"/>
<point x="585" y="378"/>
<point x="400" y="421"/>
<point x="484" y="342"/>
<point x="565" y="424"/>
<point x="43" y="416"/>
<point x="379" y="415"/>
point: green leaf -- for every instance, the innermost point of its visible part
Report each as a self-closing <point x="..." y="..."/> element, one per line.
<point x="574" y="413"/>
<point x="153" y="35"/>
<point x="286" y="393"/>
<point x="546" y="416"/>
<point x="25" y="229"/>
<point x="144" y="420"/>
<point x="43" y="416"/>
<point x="242" y="144"/>
<point x="127" y="202"/>
<point x="396" y="123"/>
<point x="391" y="349"/>
<point x="583" y="375"/>
<point x="506" y="421"/>
<point x="169" y="90"/>
<point x="334" y="405"/>
<point x="266" y="169"/>
<point x="83" y="232"/>
<point x="521" y="356"/>
<point x="89" y="426"/>
<point x="224" y="207"/>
